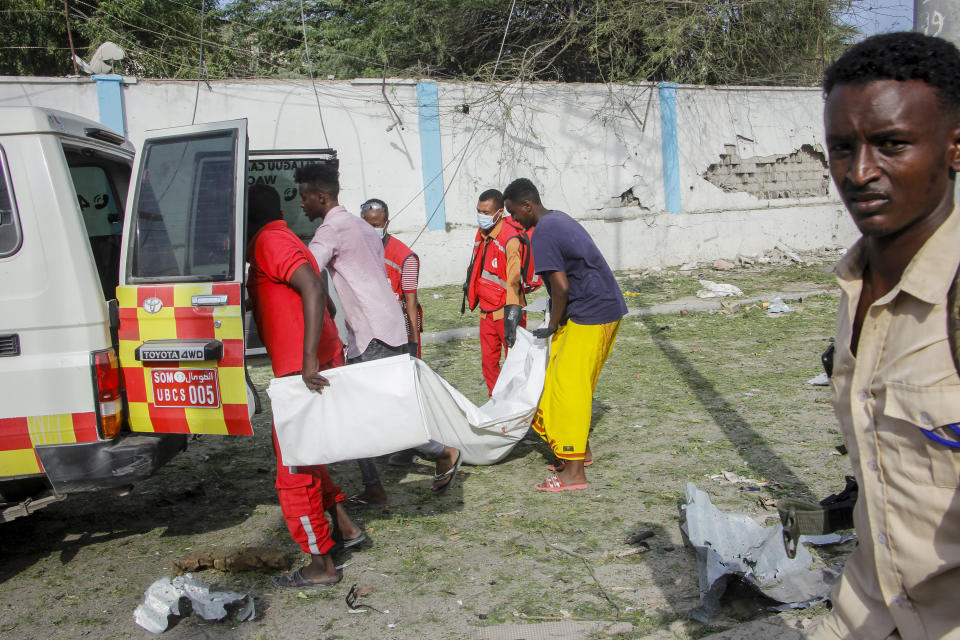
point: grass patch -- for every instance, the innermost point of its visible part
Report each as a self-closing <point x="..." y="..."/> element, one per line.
<point x="682" y="398"/>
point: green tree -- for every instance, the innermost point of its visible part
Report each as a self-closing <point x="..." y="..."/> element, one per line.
<point x="34" y="40"/>
<point x="690" y="41"/>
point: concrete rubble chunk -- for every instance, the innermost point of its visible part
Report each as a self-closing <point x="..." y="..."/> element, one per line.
<point x="723" y="265"/>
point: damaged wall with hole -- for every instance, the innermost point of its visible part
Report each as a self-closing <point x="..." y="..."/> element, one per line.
<point x="751" y="170"/>
<point x="801" y="174"/>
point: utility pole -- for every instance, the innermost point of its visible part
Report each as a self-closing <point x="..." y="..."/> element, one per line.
<point x="73" y="55"/>
<point x="939" y="18"/>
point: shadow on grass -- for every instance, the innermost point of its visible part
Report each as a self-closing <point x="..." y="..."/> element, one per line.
<point x="752" y="447"/>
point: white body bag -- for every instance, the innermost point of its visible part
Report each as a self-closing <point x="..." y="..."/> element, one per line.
<point x="383" y="406"/>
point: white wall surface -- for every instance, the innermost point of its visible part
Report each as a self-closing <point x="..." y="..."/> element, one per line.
<point x="583" y="145"/>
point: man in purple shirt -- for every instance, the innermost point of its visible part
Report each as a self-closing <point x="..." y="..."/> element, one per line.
<point x="586" y="306"/>
<point x="352" y="252"/>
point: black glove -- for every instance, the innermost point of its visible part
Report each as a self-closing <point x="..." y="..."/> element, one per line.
<point x="545" y="332"/>
<point x="412" y="348"/>
<point x="512" y="315"/>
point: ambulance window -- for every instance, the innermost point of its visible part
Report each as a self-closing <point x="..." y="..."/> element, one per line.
<point x="102" y="213"/>
<point x="98" y="202"/>
<point x="10" y="238"/>
<point x="184" y="224"/>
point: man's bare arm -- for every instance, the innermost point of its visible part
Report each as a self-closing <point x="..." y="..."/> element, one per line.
<point x="308" y="285"/>
<point x="410" y="299"/>
<point x="559" y="294"/>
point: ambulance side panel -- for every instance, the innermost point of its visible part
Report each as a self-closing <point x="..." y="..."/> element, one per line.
<point x="46" y="301"/>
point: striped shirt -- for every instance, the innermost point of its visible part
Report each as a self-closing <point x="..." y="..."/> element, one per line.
<point x="409" y="273"/>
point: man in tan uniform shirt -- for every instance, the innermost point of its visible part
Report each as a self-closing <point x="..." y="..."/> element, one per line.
<point x="892" y="120"/>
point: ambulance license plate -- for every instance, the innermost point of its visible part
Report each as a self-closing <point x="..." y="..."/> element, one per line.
<point x="185" y="388"/>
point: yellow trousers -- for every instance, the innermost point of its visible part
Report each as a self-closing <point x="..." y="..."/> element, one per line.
<point x="577" y="355"/>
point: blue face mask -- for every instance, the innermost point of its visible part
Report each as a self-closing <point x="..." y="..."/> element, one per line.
<point x="486" y="222"/>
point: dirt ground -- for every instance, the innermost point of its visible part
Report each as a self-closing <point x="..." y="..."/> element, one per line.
<point x="684" y="397"/>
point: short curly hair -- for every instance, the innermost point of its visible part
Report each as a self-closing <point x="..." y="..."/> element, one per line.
<point x="901" y="56"/>
<point x="521" y="189"/>
<point x="323" y="177"/>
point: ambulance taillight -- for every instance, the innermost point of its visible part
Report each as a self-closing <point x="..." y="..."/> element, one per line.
<point x="109" y="393"/>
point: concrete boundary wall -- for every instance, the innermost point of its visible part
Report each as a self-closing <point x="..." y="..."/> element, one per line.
<point x="746" y="164"/>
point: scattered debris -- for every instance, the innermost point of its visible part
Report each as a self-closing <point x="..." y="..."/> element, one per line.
<point x="164" y="598"/>
<point x="766" y="503"/>
<point x="722" y="265"/>
<point x="631" y="552"/>
<point x="729" y="477"/>
<point x="735" y="546"/>
<point x="716" y="290"/>
<point x="233" y="560"/>
<point x="437" y="296"/>
<point x="638" y="538"/>
<point x="820" y="380"/>
<point x="777" y="305"/>
<point x="790" y="254"/>
<point x="353" y="601"/>
<point x="690" y="266"/>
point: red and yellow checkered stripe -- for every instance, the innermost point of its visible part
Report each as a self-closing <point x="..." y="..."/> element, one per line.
<point x="19" y="436"/>
<point x="179" y="319"/>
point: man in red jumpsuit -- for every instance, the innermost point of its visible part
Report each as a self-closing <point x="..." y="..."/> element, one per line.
<point x="403" y="270"/>
<point x="301" y="339"/>
<point x="497" y="281"/>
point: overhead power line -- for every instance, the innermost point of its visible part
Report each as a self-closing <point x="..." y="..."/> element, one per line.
<point x="472" y="134"/>
<point x="306" y="46"/>
<point x="196" y="96"/>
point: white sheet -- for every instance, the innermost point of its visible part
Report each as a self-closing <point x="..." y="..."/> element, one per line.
<point x="388" y="405"/>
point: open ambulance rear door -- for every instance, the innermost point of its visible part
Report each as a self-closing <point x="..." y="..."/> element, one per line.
<point x="180" y="299"/>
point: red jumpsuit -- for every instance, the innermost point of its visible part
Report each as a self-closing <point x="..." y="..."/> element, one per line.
<point x="275" y="253"/>
<point x="496" y="280"/>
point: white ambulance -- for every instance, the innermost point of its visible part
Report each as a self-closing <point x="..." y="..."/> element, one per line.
<point x="122" y="329"/>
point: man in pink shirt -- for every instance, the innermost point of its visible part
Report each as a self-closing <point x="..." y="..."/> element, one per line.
<point x="352" y="252"/>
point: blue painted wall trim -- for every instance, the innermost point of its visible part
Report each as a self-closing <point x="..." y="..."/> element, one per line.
<point x="428" y="103"/>
<point x="670" y="147"/>
<point x="110" y="101"/>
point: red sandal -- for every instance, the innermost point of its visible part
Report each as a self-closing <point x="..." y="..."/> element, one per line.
<point x="553" y="484"/>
